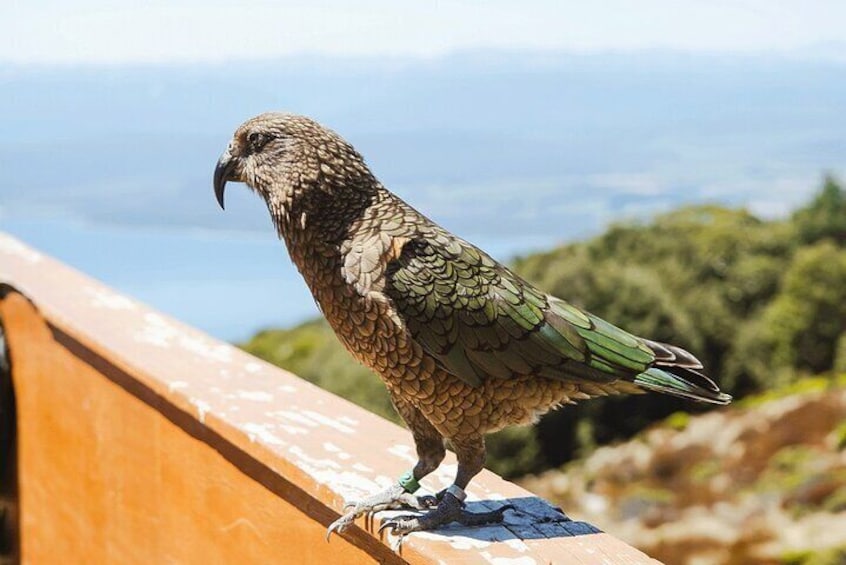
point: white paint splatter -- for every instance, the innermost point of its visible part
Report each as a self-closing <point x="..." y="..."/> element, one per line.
<point x="293" y="430"/>
<point x="253" y="367"/>
<point x="327" y="421"/>
<point x="176" y="385"/>
<point x="349" y="484"/>
<point x="212" y="351"/>
<point x="255" y="395"/>
<point x="339" y="453"/>
<point x="102" y="297"/>
<point x="403" y="452"/>
<point x="203" y="408"/>
<point x="525" y="560"/>
<point x="517" y="545"/>
<point x="263" y="433"/>
<point x="293" y="416"/>
<point x="456" y="541"/>
<point x="313" y="462"/>
<point x="160" y="332"/>
<point x="157" y="331"/>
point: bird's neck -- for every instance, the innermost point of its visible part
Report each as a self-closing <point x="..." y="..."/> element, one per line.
<point x="316" y="230"/>
<point x="317" y="218"/>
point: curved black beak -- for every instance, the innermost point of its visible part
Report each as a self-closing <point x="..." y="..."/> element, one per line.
<point x="223" y="172"/>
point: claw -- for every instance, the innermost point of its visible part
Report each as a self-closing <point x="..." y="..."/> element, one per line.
<point x="428" y="501"/>
<point x="400" y="525"/>
<point x="341" y="524"/>
<point x="439" y="511"/>
<point x="451" y="510"/>
<point x="393" y="497"/>
<point x="334" y="527"/>
<point x="397" y="546"/>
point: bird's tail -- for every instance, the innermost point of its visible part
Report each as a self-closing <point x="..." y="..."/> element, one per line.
<point x="683" y="382"/>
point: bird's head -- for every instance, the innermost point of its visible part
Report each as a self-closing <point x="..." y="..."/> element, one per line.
<point x="282" y="156"/>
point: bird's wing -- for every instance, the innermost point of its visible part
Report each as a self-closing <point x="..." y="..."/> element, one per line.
<point x="479" y="320"/>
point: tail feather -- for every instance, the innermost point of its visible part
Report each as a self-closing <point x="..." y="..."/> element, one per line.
<point x="672" y="355"/>
<point x="682" y="382"/>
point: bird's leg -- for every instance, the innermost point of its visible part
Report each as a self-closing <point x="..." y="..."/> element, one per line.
<point x="430" y="453"/>
<point x="470" y="453"/>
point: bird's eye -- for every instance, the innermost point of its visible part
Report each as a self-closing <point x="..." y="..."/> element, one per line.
<point x="256" y="140"/>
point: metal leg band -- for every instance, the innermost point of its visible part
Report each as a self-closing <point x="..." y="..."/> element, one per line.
<point x="457" y="492"/>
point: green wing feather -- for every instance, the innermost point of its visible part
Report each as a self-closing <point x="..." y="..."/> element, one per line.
<point x="479" y="320"/>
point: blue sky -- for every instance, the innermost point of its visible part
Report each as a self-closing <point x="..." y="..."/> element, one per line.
<point x="116" y="32"/>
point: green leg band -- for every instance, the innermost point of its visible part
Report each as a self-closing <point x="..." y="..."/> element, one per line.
<point x="408" y="482"/>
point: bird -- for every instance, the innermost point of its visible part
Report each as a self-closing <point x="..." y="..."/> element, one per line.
<point x="464" y="345"/>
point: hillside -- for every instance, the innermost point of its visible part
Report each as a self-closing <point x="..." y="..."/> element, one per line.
<point x="762" y="303"/>
<point x="761" y="482"/>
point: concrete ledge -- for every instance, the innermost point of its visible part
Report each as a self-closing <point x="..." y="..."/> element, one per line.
<point x="143" y="440"/>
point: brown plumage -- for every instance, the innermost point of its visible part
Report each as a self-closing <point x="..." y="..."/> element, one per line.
<point x="464" y="346"/>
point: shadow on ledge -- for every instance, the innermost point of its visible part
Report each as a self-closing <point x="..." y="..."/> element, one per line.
<point x="531" y="518"/>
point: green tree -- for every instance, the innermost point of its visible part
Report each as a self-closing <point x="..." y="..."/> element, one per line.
<point x="809" y="315"/>
<point x="825" y="216"/>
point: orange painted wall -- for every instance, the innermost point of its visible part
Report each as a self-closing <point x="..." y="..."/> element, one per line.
<point x="107" y="478"/>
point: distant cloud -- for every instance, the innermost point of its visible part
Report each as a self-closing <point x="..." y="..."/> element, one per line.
<point x="116" y="32"/>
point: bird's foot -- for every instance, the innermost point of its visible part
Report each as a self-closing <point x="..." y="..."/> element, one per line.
<point x="392" y="498"/>
<point x="449" y="509"/>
